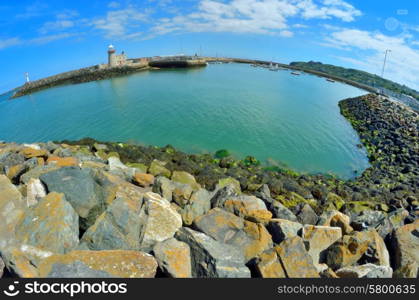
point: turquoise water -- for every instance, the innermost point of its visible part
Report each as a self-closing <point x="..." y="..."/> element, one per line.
<point x="274" y="116"/>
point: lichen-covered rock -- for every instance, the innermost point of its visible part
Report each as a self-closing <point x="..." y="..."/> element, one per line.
<point x="30" y="152"/>
<point x="80" y="189"/>
<point x="51" y="225"/>
<point x="109" y="263"/>
<point x="248" y="207"/>
<point x="174" y="258"/>
<point x="158" y="168"/>
<point x="405" y="247"/>
<point x="365" y="271"/>
<point x="249" y="237"/>
<point x="34" y="192"/>
<point x="118" y="227"/>
<point x="211" y="258"/>
<point x="306" y="215"/>
<point x="181" y="193"/>
<point x="229" y="181"/>
<point x="295" y="259"/>
<point x="267" y="265"/>
<point x="12" y="207"/>
<point x="143" y="179"/>
<point x="334" y="218"/>
<point x="164" y="187"/>
<point x="159" y="221"/>
<point x="317" y="239"/>
<point x="185" y="178"/>
<point x="279" y="211"/>
<point x="63" y="161"/>
<point x="281" y="229"/>
<point x="198" y="205"/>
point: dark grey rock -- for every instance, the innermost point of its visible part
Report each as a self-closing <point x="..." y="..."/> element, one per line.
<point x="279" y="211"/>
<point x="81" y="190"/>
<point x="306" y="215"/>
<point x="222" y="195"/>
<point x="213" y="259"/>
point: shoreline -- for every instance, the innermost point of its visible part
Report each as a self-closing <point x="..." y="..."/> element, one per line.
<point x="112" y="203"/>
<point x="100" y="72"/>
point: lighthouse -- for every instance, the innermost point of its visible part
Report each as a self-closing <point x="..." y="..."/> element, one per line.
<point x="111" y="56"/>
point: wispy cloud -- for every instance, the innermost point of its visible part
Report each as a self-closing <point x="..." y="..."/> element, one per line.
<point x="367" y="51"/>
<point x="49" y="38"/>
<point x="6" y="43"/>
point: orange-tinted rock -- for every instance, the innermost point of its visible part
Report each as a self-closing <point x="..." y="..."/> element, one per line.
<point x="268" y="265"/>
<point x="15" y="171"/>
<point x="63" y="161"/>
<point x="174" y="258"/>
<point x="32" y="152"/>
<point x="143" y="179"/>
<point x="116" y="263"/>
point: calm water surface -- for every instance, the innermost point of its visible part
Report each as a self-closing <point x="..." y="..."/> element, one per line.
<point x="274" y="116"/>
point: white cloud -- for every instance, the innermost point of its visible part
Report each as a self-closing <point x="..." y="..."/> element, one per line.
<point x="56" y="25"/>
<point x="114" y="4"/>
<point x="9" y="42"/>
<point x="403" y="61"/>
<point x="49" y="38"/>
<point x="255" y="16"/>
<point x="119" y="23"/>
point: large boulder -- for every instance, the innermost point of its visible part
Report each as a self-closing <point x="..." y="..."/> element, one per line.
<point x="211" y="258"/>
<point x="317" y="239"/>
<point x="108" y="263"/>
<point x="118" y="227"/>
<point x="281" y="229"/>
<point x="295" y="260"/>
<point x="334" y="218"/>
<point x="249" y="207"/>
<point x="198" y="205"/>
<point x="80" y="189"/>
<point x="279" y="211"/>
<point x="185" y="178"/>
<point x="365" y="271"/>
<point x="306" y="214"/>
<point x="158" y="168"/>
<point x="267" y="265"/>
<point x="51" y="225"/>
<point x="12" y="207"/>
<point x="174" y="258"/>
<point x="405" y="248"/>
<point x="158" y="219"/>
<point x="225" y="227"/>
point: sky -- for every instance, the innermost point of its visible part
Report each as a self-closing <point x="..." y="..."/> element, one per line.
<point x="48" y="37"/>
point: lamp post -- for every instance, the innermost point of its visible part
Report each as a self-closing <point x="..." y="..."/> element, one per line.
<point x="385" y="61"/>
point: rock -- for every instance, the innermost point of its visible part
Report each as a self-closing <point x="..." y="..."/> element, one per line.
<point x="199" y="204"/>
<point x="328" y="273"/>
<point x="140" y="168"/>
<point x="113" y="263"/>
<point x="295" y="259"/>
<point x="367" y="219"/>
<point x="159" y="221"/>
<point x="118" y="168"/>
<point x="37" y="172"/>
<point x="336" y="201"/>
<point x="143" y="179"/>
<point x="14" y="172"/>
<point x="405" y="247"/>
<point x="211" y="258"/>
<point x="267" y="265"/>
<point x="12" y="207"/>
<point x="249" y="237"/>
<point x="80" y="189"/>
<point x="334" y="218"/>
<point x="365" y="271"/>
<point x="365" y="246"/>
<point x="174" y="258"/>
<point x="158" y="168"/>
<point x="221" y="195"/>
<point x="34" y="192"/>
<point x="279" y="211"/>
<point x="1" y="267"/>
<point x="118" y="227"/>
<point x="306" y="215"/>
<point x="249" y="207"/>
<point x="185" y="178"/>
<point x="317" y="239"/>
<point x="30" y="152"/>
<point x="9" y="159"/>
<point x="283" y="229"/>
<point x="181" y="193"/>
<point x="229" y="181"/>
<point x="407" y="271"/>
<point x="63" y="161"/>
<point x="164" y="187"/>
<point x="52" y="225"/>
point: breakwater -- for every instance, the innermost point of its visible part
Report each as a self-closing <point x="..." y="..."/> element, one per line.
<point x="89" y="209"/>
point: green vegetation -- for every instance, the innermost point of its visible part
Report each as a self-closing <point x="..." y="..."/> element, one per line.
<point x="222" y="153"/>
<point x="358" y="76"/>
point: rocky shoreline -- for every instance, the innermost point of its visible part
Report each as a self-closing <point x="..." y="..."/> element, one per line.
<point x="96" y="209"/>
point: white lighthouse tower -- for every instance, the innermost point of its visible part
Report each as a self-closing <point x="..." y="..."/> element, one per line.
<point x="27" y="77"/>
<point x="111" y="56"/>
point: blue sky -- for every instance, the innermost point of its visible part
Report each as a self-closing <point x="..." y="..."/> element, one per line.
<point x="47" y="37"/>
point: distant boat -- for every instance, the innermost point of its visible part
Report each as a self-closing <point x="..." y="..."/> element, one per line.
<point x="296" y="73"/>
<point x="330" y="80"/>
